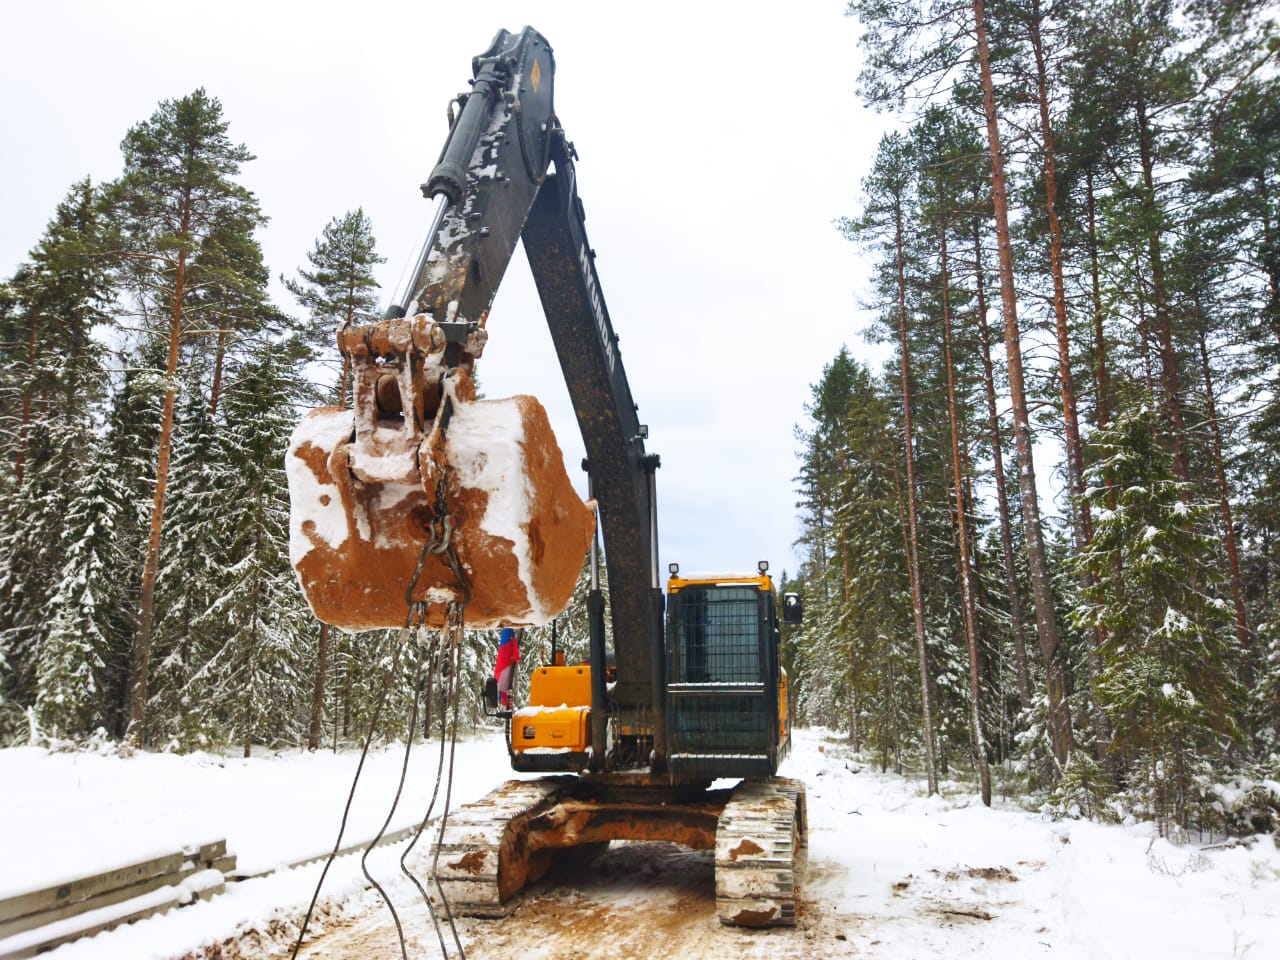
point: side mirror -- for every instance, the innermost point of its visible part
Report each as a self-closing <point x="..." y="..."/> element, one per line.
<point x="490" y="695"/>
<point x="792" y="609"/>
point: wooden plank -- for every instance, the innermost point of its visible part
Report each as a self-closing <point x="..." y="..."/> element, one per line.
<point x="53" y="897"/>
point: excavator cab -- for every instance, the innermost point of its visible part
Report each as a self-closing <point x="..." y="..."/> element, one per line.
<point x="727" y="713"/>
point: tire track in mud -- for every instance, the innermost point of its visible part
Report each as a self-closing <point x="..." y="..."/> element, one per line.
<point x="641" y="901"/>
<point x="633" y="900"/>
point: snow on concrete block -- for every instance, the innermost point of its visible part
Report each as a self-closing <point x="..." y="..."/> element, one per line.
<point x="201" y="885"/>
<point x="45" y="937"/>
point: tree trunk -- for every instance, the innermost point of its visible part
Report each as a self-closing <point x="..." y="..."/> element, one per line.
<point x="1002" y="495"/>
<point x="1081" y="520"/>
<point x="215" y="391"/>
<point x="962" y="535"/>
<point x="1224" y="502"/>
<point x="1160" y="296"/>
<point x="990" y="666"/>
<point x="1070" y="418"/>
<point x="317" y="698"/>
<point x="1102" y="414"/>
<point x="913" y="538"/>
<point x="150" y="567"/>
<point x="1103" y="405"/>
<point x="1059" y="719"/>
<point x="926" y="708"/>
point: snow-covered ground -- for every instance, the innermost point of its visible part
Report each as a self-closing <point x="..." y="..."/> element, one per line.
<point x="890" y="873"/>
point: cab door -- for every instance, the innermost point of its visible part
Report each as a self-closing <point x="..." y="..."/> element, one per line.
<point x="722" y="682"/>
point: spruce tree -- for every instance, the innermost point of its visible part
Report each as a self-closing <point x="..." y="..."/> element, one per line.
<point x="338" y="290"/>
<point x="1167" y="680"/>
<point x="73" y="671"/>
<point x="258" y="670"/>
<point x="51" y="378"/>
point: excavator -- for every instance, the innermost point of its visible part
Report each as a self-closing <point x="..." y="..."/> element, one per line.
<point x="424" y="502"/>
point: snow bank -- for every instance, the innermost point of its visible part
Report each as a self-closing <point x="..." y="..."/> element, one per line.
<point x="892" y="874"/>
<point x="77" y="814"/>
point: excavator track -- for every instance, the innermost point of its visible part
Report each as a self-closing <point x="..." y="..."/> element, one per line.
<point x="492" y="848"/>
<point x="760" y="849"/>
<point x="482" y="861"/>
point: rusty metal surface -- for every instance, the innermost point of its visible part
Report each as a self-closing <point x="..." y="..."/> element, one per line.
<point x="480" y="857"/>
<point x="492" y="848"/>
<point x="572" y="822"/>
<point x="371" y="488"/>
<point x="758" y="831"/>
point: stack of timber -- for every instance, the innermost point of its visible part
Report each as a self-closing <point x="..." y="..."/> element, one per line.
<point x="40" y="920"/>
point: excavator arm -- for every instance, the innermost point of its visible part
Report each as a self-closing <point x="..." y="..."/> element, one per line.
<point x="506" y="172"/>
<point x="622" y="474"/>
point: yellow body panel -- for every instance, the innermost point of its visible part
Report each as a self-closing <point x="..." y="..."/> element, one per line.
<point x="559" y="711"/>
<point x="553" y="686"/>
<point x="556" y="728"/>
<point x="784" y="719"/>
<point x="763" y="581"/>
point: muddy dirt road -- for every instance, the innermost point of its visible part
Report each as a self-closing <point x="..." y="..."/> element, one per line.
<point x="890" y="874"/>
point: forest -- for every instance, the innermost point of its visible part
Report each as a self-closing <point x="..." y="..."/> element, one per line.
<point x="1042" y="538"/>
<point x="1037" y="543"/>
<point x="148" y="387"/>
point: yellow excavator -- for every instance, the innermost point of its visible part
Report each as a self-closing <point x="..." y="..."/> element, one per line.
<point x="423" y="501"/>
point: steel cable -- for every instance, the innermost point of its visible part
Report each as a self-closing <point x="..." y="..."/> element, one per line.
<point x="346" y="810"/>
<point x="420" y="612"/>
<point x="431" y="698"/>
<point x="455" y="623"/>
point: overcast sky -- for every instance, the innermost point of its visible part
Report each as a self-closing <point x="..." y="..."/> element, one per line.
<point x="717" y="142"/>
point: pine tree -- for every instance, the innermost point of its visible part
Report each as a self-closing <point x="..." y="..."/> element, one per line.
<point x="1060" y="731"/>
<point x="339" y="288"/>
<point x="944" y="149"/>
<point x="177" y="193"/>
<point x="884" y="223"/>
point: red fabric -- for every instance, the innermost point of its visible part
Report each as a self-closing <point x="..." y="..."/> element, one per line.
<point x="504" y="669"/>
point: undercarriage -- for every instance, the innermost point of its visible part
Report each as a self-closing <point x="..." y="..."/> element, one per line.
<point x="492" y="848"/>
